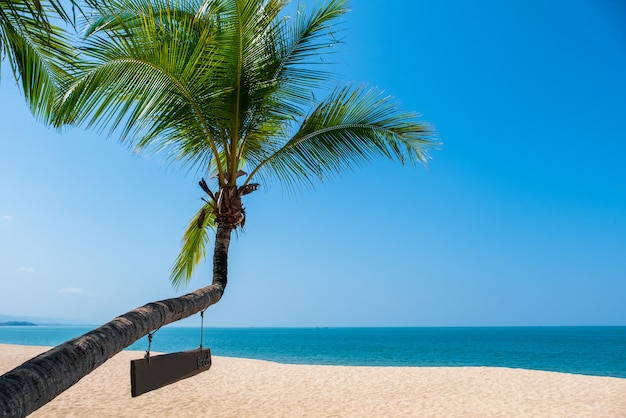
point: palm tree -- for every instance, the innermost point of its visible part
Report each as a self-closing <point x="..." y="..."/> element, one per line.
<point x="226" y="87"/>
<point x="37" y="50"/>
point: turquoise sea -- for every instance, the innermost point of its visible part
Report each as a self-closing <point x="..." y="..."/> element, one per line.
<point x="599" y="351"/>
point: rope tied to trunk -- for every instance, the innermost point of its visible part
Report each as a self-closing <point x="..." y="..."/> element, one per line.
<point x="150" y="334"/>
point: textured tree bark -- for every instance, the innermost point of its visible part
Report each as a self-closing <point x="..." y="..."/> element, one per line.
<point x="28" y="387"/>
<point x="220" y="255"/>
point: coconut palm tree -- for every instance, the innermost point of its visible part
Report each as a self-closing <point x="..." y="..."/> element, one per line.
<point x="36" y="48"/>
<point x="226" y="87"/>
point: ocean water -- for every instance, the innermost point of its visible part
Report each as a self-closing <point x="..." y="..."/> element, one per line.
<point x="599" y="351"/>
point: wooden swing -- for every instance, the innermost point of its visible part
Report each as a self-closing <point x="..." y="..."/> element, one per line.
<point x="154" y="372"/>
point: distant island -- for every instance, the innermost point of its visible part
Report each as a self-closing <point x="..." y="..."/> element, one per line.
<point x="17" y="324"/>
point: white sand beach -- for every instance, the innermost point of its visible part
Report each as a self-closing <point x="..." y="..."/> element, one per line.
<point x="252" y="388"/>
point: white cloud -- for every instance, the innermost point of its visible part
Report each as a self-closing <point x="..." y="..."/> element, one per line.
<point x="6" y="218"/>
<point x="26" y="269"/>
<point x="73" y="290"/>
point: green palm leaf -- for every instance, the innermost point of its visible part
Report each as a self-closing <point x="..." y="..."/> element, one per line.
<point x="194" y="245"/>
<point x="348" y="129"/>
<point x="38" y="51"/>
<point x="152" y="73"/>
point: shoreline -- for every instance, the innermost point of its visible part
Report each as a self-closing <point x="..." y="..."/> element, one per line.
<point x="235" y="387"/>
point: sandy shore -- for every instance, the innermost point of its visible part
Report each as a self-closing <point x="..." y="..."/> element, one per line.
<point x="252" y="388"/>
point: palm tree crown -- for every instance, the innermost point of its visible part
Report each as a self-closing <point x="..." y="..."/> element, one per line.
<point x="226" y="86"/>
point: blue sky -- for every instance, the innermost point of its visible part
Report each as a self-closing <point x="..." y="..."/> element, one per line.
<point x="520" y="219"/>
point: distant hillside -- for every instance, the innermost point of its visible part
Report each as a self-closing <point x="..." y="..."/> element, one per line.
<point x="17" y="324"/>
<point x="40" y="320"/>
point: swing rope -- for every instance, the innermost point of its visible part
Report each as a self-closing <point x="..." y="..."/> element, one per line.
<point x="201" y="327"/>
<point x="150" y="334"/>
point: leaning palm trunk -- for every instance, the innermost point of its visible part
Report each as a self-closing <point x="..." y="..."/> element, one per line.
<point x="226" y="86"/>
<point x="33" y="384"/>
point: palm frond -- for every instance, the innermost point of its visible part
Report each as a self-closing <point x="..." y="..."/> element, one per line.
<point x="194" y="244"/>
<point x="304" y="42"/>
<point x="284" y="65"/>
<point x="151" y="73"/>
<point x="280" y="71"/>
<point x="39" y="53"/>
<point x="348" y="129"/>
